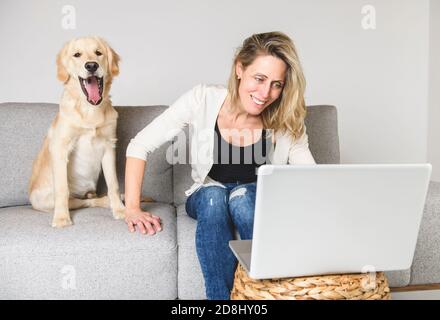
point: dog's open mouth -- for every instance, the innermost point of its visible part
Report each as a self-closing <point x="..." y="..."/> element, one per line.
<point x="92" y="87"/>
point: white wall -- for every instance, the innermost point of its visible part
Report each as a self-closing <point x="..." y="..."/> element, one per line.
<point x="378" y="78"/>
<point x="434" y="91"/>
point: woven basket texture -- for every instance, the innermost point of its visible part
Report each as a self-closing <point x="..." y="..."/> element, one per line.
<point x="372" y="286"/>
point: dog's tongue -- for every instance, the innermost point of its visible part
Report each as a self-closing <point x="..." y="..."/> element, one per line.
<point x="93" y="89"/>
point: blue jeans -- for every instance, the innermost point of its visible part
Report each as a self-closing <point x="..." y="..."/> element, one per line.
<point x="218" y="210"/>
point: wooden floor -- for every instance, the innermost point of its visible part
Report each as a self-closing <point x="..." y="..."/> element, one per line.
<point x="435" y="286"/>
<point x="417" y="292"/>
<point x="416" y="295"/>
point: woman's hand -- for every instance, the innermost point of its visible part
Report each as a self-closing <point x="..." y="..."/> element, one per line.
<point x="144" y="221"/>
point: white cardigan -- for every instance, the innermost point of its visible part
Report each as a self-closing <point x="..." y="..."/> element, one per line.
<point x="199" y="109"/>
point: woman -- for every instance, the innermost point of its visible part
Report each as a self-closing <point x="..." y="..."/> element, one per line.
<point x="263" y="110"/>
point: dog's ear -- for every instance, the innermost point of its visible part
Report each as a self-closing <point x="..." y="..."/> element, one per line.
<point x="62" y="73"/>
<point x="112" y="58"/>
<point x="113" y="61"/>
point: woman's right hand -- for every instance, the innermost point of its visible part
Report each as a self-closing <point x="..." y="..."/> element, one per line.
<point x="144" y="221"/>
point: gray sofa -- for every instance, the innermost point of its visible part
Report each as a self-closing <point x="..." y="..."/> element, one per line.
<point x="97" y="258"/>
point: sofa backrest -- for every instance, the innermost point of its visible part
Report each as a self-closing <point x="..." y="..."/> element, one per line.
<point x="158" y="178"/>
<point x="322" y="129"/>
<point x="23" y="127"/>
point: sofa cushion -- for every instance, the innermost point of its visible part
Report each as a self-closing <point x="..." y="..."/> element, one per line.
<point x="24" y="126"/>
<point x="399" y="278"/>
<point x="426" y="265"/>
<point x="190" y="281"/>
<point x="322" y="129"/>
<point x="96" y="258"/>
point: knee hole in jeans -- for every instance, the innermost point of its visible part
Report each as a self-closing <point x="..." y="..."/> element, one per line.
<point x="238" y="193"/>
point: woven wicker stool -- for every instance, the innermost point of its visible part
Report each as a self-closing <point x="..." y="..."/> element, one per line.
<point x="328" y="287"/>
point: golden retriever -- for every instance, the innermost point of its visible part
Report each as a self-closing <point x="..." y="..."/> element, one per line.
<point x="82" y="137"/>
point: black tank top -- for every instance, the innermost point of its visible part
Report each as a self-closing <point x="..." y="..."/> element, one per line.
<point x="238" y="164"/>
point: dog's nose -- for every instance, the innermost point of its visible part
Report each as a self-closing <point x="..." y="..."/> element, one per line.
<point x="91" y="66"/>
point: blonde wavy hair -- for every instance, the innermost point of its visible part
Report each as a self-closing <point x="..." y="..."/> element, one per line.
<point x="288" y="112"/>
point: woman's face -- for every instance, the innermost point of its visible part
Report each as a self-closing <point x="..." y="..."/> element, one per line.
<point x="261" y="83"/>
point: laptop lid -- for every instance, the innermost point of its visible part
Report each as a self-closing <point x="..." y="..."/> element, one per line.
<point x="331" y="219"/>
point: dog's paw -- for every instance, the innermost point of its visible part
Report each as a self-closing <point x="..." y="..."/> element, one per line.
<point x="61" y="222"/>
<point x="103" y="202"/>
<point x="119" y="213"/>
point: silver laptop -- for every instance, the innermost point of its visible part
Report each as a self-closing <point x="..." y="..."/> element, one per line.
<point x="332" y="219"/>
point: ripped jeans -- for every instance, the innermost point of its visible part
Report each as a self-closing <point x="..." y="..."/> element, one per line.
<point x="218" y="210"/>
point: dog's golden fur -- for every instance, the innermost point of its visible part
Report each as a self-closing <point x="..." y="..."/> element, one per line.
<point x="81" y="138"/>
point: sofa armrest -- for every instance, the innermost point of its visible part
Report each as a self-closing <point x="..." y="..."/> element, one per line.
<point x="426" y="264"/>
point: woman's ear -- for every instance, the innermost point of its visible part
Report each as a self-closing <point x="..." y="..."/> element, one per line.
<point x="62" y="73"/>
<point x="239" y="70"/>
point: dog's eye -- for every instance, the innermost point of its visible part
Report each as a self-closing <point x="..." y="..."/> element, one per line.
<point x="98" y="53"/>
<point x="77" y="55"/>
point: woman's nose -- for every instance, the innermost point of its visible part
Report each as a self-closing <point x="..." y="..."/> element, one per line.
<point x="265" y="91"/>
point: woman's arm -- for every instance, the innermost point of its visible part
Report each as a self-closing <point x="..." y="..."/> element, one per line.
<point x="163" y="128"/>
<point x="299" y="152"/>
<point x="134" y="215"/>
<point x="167" y="125"/>
<point x="134" y="175"/>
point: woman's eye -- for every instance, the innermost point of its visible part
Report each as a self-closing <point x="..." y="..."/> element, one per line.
<point x="259" y="79"/>
<point x="77" y="55"/>
<point x="278" y="85"/>
<point x="98" y="53"/>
